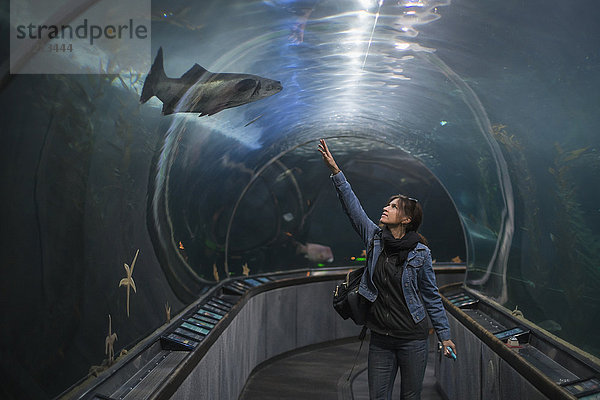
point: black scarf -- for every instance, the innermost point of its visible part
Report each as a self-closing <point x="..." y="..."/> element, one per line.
<point x="401" y="246"/>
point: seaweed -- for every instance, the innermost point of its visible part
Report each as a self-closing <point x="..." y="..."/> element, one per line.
<point x="526" y="188"/>
<point x="577" y="247"/>
<point x="128" y="281"/>
<point x="168" y="312"/>
<point x="583" y="243"/>
<point x="109" y="342"/>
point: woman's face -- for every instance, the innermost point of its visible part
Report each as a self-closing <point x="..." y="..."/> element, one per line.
<point x="393" y="214"/>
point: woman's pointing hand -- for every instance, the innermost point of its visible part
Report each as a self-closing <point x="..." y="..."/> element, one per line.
<point x="327" y="157"/>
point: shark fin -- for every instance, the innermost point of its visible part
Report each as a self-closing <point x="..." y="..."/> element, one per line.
<point x="193" y="74"/>
<point x="156" y="74"/>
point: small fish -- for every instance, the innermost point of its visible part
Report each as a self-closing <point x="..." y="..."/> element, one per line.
<point x="284" y="175"/>
<point x="287" y="217"/>
<point x="215" y="272"/>
<point x="315" y="252"/>
<point x="571" y="155"/>
<point x="204" y="92"/>
<point x="457" y="259"/>
<point x="228" y="163"/>
<point x="550" y="325"/>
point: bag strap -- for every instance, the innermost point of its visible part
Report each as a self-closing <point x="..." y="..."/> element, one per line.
<point x="347" y="281"/>
<point x="361" y="336"/>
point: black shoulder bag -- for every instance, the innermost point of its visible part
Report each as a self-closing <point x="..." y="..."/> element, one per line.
<point x="348" y="302"/>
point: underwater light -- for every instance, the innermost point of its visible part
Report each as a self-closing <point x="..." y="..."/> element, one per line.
<point x="414" y="4"/>
<point x="367" y="3"/>
<point x="362" y="14"/>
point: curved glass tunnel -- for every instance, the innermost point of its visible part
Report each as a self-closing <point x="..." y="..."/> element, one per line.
<point x="277" y="215"/>
<point x="487" y="113"/>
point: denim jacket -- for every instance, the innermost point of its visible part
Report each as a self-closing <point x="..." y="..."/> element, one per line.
<point x="418" y="278"/>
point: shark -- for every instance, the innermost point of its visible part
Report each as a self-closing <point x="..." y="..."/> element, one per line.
<point x="204" y="92"/>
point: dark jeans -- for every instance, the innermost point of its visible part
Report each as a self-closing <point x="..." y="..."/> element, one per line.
<point x="386" y="355"/>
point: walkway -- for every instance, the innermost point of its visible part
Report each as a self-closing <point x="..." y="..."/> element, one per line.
<point x="320" y="373"/>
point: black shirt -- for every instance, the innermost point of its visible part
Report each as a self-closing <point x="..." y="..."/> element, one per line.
<point x="389" y="314"/>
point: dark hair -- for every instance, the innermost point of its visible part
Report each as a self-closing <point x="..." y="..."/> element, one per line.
<point x="412" y="209"/>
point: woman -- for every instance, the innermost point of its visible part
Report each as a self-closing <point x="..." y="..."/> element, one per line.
<point x="400" y="284"/>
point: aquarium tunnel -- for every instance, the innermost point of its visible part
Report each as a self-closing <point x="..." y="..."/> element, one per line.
<point x="170" y="231"/>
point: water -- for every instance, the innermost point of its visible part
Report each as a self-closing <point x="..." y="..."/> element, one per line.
<point x="486" y="112"/>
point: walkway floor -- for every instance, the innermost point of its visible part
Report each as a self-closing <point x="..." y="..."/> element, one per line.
<point x="321" y="374"/>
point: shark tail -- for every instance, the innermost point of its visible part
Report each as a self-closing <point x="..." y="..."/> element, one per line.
<point x="156" y="74"/>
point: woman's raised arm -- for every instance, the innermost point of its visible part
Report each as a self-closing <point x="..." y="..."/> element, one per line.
<point x="350" y="203"/>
